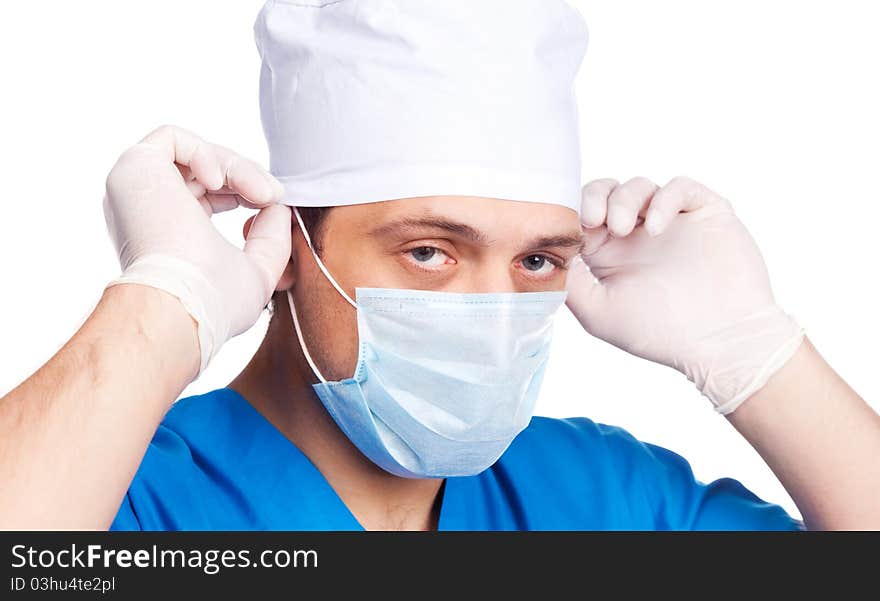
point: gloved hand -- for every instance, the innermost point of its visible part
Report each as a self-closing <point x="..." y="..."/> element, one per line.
<point x="679" y="281"/>
<point x="159" y="198"/>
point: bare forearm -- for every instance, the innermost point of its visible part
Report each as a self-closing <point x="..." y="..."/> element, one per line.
<point x="73" y="434"/>
<point x="821" y="439"/>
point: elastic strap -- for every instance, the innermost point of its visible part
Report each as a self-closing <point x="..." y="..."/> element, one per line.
<point x="302" y="342"/>
<point x="320" y="263"/>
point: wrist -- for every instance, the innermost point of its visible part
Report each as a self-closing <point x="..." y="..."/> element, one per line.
<point x="738" y="360"/>
<point x="192" y="289"/>
<point x="164" y="331"/>
<point x="783" y="391"/>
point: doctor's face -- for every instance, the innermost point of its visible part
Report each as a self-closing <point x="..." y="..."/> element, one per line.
<point x="446" y="243"/>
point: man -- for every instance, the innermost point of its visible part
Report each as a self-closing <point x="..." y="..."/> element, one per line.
<point x="413" y="298"/>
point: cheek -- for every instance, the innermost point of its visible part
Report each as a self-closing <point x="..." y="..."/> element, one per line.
<point x="342" y="344"/>
<point x="330" y="329"/>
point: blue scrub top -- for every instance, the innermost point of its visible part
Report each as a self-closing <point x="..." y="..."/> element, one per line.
<point x="216" y="463"/>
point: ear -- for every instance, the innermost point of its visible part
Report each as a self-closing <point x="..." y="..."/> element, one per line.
<point x="288" y="277"/>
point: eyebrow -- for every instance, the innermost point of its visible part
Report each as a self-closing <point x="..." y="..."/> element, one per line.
<point x="561" y="241"/>
<point x="463" y="230"/>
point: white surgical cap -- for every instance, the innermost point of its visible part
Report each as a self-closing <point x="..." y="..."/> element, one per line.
<point x="370" y="100"/>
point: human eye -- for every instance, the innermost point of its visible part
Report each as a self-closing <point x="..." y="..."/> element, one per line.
<point x="427" y="257"/>
<point x="539" y="265"/>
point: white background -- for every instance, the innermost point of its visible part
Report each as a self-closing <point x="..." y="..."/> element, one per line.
<point x="772" y="104"/>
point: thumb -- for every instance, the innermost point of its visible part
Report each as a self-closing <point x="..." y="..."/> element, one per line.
<point x="587" y="298"/>
<point x="268" y="244"/>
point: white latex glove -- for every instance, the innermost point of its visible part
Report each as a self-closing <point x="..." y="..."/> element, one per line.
<point x="693" y="294"/>
<point x="159" y="198"/>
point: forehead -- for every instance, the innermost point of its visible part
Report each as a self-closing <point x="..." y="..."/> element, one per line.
<point x="496" y="218"/>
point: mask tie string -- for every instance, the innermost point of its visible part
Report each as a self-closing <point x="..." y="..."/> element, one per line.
<point x="331" y="279"/>
<point x="318" y="260"/>
<point x="302" y="342"/>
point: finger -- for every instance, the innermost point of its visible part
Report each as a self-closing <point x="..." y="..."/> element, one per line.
<point x="196" y="188"/>
<point x="247" y="178"/>
<point x="594" y="200"/>
<point x="268" y="244"/>
<point x="185" y="148"/>
<point x="223" y="202"/>
<point x="681" y="194"/>
<point x="213" y="203"/>
<point x="586" y="295"/>
<point x="594" y="239"/>
<point x="625" y="204"/>
<point x="185" y="172"/>
<point x="216" y="166"/>
<point x="206" y="206"/>
<point x="249" y="222"/>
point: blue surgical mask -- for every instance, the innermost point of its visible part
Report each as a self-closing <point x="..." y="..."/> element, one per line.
<point x="444" y="381"/>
